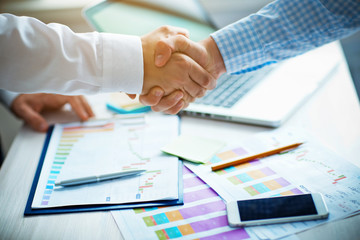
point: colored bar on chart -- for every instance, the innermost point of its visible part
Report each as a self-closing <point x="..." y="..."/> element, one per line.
<point x="66" y="144"/>
<point x="186" y="229"/>
<point x="266" y="186"/>
<point x="199" y="195"/>
<point x="226" y="155"/>
<point x="58" y="162"/>
<point x="160" y="218"/>
<point x="62" y="153"/>
<point x="202" y="209"/>
<point x="174" y="216"/>
<point x="293" y="191"/>
<point x="339" y="178"/>
<point x="148" y="209"/>
<point x="248" y="164"/>
<point x="238" y="234"/>
<point x="226" y="170"/>
<point x="237" y="167"/>
<point x="47" y="191"/>
<point x="251" y="176"/>
<point x="72" y="136"/>
<point x="184" y="213"/>
<point x="68" y="140"/>
<point x="194" y="227"/>
<point x="192" y="182"/>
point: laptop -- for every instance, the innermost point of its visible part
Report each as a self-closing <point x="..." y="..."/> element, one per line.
<point x="264" y="97"/>
<point x="351" y="48"/>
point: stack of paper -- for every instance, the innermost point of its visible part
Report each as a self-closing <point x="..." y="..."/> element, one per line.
<point x="309" y="168"/>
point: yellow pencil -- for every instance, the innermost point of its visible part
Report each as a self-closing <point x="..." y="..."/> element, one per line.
<point x="250" y="158"/>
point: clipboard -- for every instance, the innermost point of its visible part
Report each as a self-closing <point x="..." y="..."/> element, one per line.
<point x="86" y="208"/>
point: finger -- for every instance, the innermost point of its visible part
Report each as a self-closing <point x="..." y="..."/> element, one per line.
<point x="172" y="30"/>
<point x="177" y="108"/>
<point x="33" y="118"/>
<point x="165" y="47"/>
<point x="168" y="102"/>
<point x="77" y="106"/>
<point x="153" y="96"/>
<point x="87" y="106"/>
<point x="193" y="77"/>
<point x="202" y="77"/>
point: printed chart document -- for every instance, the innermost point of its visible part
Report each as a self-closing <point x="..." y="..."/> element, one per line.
<point x="308" y="168"/>
<point x="98" y="147"/>
<point x="203" y="216"/>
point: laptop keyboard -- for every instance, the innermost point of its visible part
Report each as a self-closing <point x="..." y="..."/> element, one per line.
<point x="230" y="88"/>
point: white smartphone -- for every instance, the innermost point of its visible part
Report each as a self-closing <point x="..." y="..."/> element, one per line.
<point x="276" y="210"/>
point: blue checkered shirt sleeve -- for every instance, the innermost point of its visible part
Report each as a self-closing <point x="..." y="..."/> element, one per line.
<point x="284" y="29"/>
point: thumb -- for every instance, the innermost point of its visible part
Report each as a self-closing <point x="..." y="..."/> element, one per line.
<point x="163" y="53"/>
<point x="179" y="43"/>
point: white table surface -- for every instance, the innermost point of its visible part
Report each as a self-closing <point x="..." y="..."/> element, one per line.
<point x="332" y="115"/>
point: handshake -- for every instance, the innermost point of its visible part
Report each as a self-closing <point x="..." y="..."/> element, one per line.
<point x="176" y="69"/>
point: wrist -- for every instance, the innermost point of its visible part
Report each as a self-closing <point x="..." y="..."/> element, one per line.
<point x="215" y="63"/>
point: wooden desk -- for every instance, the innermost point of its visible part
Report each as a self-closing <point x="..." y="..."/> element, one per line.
<point x="332" y="115"/>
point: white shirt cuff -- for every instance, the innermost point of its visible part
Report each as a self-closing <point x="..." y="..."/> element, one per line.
<point x="122" y="63"/>
<point x="7" y="97"/>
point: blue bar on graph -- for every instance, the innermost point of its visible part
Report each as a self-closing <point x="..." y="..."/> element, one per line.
<point x="173" y="232"/>
<point x="47" y="191"/>
<point x="51" y="181"/>
<point x="161" y="218"/>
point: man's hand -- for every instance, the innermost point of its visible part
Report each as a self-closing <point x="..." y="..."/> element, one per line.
<point x="180" y="73"/>
<point x="30" y="106"/>
<point x="205" y="53"/>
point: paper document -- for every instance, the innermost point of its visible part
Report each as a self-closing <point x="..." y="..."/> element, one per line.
<point x="83" y="149"/>
<point x="203" y="216"/>
<point x="308" y="168"/>
<point x="194" y="148"/>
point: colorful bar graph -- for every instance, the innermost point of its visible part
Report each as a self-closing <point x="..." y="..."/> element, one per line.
<point x="237" y="167"/>
<point x="201" y="226"/>
<point x="203" y="211"/>
<point x="149" y="182"/>
<point x="184" y="213"/>
<point x="69" y="137"/>
<point x="251" y="176"/>
<point x="237" y="234"/>
<point x="199" y="195"/>
<point x="79" y="130"/>
<point x="293" y="191"/>
<point x="267" y="186"/>
<point x="339" y="178"/>
<point x="227" y="155"/>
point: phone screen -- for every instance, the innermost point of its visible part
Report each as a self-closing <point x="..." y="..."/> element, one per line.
<point x="277" y="207"/>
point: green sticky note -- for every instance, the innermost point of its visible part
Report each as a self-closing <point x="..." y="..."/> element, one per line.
<point x="193" y="148"/>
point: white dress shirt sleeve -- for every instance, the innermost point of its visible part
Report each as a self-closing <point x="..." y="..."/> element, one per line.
<point x="35" y="57"/>
<point x="7" y="97"/>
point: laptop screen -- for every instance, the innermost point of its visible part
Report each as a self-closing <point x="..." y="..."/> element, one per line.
<point x="351" y="47"/>
<point x="132" y="19"/>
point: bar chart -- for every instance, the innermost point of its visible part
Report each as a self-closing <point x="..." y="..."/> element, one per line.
<point x="105" y="146"/>
<point x="70" y="136"/>
<point x="203" y="216"/>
